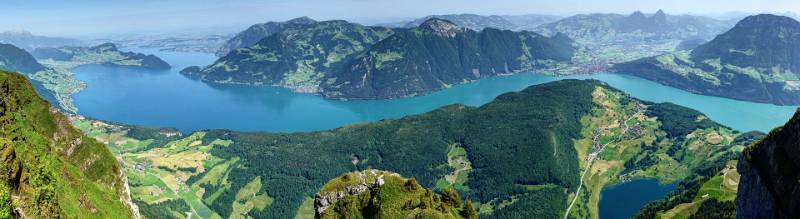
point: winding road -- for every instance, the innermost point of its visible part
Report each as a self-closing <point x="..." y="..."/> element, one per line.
<point x="593" y="156"/>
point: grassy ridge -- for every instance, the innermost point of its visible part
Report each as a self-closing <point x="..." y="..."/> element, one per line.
<point x="49" y="168"/>
<point x="388" y="195"/>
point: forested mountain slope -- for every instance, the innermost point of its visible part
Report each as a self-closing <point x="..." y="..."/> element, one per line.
<point x="342" y="60"/>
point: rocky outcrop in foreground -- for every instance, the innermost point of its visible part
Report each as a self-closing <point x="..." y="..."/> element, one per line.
<point x="770" y="169"/>
<point x="382" y="194"/>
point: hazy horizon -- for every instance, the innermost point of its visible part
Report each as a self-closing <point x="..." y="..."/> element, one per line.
<point x="95" y="18"/>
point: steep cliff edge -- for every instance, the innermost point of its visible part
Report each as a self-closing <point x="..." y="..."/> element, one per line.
<point x="770" y="168"/>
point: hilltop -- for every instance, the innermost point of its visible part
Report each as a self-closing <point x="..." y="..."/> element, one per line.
<point x="256" y="32"/>
<point x="381" y="194"/>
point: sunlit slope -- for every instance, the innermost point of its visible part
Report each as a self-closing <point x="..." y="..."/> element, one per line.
<point x="50" y="169"/>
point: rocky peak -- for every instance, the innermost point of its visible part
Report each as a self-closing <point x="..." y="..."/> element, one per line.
<point x="637" y="15"/>
<point x="441" y="27"/>
<point x="350" y="184"/>
<point x="302" y="20"/>
<point x="659" y="18"/>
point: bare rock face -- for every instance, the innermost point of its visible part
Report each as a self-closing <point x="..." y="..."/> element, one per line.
<point x="753" y="199"/>
<point x="348" y="185"/>
<point x="770" y="168"/>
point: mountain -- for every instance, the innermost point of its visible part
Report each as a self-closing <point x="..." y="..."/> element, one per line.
<point x="255" y="33"/>
<point x="106" y="53"/>
<point x="15" y="59"/>
<point x="296" y="57"/>
<point x="757" y="60"/>
<point x="381" y="194"/>
<point x="349" y="61"/>
<point x="606" y="28"/>
<point x="480" y="22"/>
<point x="608" y="39"/>
<point x="187" y="42"/>
<point x="769" y="186"/>
<point x="471" y="21"/>
<point x="529" y="21"/>
<point x="48" y="168"/>
<point x="28" y="41"/>
<point x="519" y="156"/>
<point x="438" y="54"/>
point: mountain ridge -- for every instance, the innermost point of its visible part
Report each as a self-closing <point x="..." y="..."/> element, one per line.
<point x="50" y="169"/>
<point x="354" y="58"/>
<point x="754" y="61"/>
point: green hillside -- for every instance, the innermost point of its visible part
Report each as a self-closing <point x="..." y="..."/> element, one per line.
<point x="50" y="169"/>
<point x="255" y="33"/>
<point x="297" y="57"/>
<point x="438" y="54"/>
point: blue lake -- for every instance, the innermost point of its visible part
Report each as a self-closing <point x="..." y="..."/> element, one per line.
<point x="168" y="99"/>
<point x="622" y="201"/>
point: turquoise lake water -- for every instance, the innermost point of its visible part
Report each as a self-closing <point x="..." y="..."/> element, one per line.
<point x="168" y="99"/>
<point x="622" y="201"/>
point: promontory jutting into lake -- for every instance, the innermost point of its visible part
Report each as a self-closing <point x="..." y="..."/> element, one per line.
<point x="399" y="109"/>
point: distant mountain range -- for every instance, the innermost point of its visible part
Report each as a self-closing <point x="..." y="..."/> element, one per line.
<point x="255" y="33"/>
<point x="28" y="41"/>
<point x="758" y="60"/>
<point x="479" y="22"/>
<point x="637" y="26"/>
<point x="349" y="61"/>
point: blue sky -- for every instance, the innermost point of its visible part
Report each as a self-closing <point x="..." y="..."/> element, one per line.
<point x="103" y="17"/>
